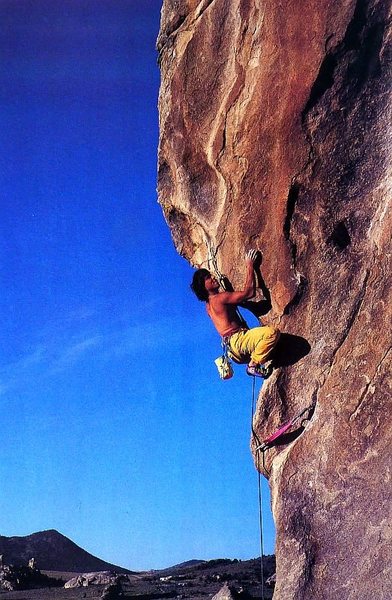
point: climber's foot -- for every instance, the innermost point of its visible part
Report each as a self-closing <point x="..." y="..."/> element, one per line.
<point x="263" y="371"/>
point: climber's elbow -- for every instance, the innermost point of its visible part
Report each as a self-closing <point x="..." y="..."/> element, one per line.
<point x="249" y="292"/>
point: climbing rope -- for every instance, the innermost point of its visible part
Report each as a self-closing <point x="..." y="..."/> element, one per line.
<point x="223" y="282"/>
<point x="260" y="495"/>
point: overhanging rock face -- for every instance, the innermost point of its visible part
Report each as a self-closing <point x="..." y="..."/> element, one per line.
<point x="274" y="133"/>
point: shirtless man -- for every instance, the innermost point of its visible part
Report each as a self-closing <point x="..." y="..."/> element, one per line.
<point x="252" y="346"/>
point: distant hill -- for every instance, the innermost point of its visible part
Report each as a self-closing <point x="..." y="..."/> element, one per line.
<point x="52" y="552"/>
<point x="185" y="565"/>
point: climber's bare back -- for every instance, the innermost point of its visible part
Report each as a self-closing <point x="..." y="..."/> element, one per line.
<point x="222" y="306"/>
<point x="223" y="315"/>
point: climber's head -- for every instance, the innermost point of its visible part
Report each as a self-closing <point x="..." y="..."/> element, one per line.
<point x="203" y="283"/>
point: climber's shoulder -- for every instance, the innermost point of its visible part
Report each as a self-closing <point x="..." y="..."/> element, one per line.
<point x="224" y="298"/>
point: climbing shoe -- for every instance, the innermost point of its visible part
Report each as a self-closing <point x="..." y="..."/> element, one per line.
<point x="263" y="371"/>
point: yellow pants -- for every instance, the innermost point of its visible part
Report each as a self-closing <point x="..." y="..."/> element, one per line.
<point x="253" y="344"/>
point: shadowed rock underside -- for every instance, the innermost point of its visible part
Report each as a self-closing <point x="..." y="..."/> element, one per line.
<point x="275" y="133"/>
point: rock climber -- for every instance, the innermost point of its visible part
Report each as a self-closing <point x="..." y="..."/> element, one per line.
<point x="253" y="346"/>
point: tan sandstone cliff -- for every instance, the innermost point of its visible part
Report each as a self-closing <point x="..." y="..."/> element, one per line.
<point x="274" y="133"/>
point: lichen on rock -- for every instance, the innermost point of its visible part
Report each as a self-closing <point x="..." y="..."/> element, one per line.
<point x="275" y="130"/>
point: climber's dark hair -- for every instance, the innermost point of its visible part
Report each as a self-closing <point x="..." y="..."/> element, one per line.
<point x="197" y="285"/>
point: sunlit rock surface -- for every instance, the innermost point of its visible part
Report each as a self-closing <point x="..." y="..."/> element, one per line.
<point x="275" y="133"/>
<point x="96" y="578"/>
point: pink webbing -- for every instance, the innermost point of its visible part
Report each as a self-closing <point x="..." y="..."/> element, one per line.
<point x="283" y="428"/>
<point x="278" y="433"/>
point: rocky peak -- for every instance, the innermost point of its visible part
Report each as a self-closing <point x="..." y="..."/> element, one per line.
<point x="275" y="133"/>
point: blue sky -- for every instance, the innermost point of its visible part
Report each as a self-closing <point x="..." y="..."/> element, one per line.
<point x="115" y="427"/>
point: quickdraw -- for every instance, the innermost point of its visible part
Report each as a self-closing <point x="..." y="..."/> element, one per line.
<point x="272" y="439"/>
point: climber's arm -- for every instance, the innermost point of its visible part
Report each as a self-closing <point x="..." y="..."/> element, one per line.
<point x="249" y="287"/>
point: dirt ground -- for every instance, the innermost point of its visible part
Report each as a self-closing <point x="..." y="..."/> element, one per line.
<point x="195" y="582"/>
